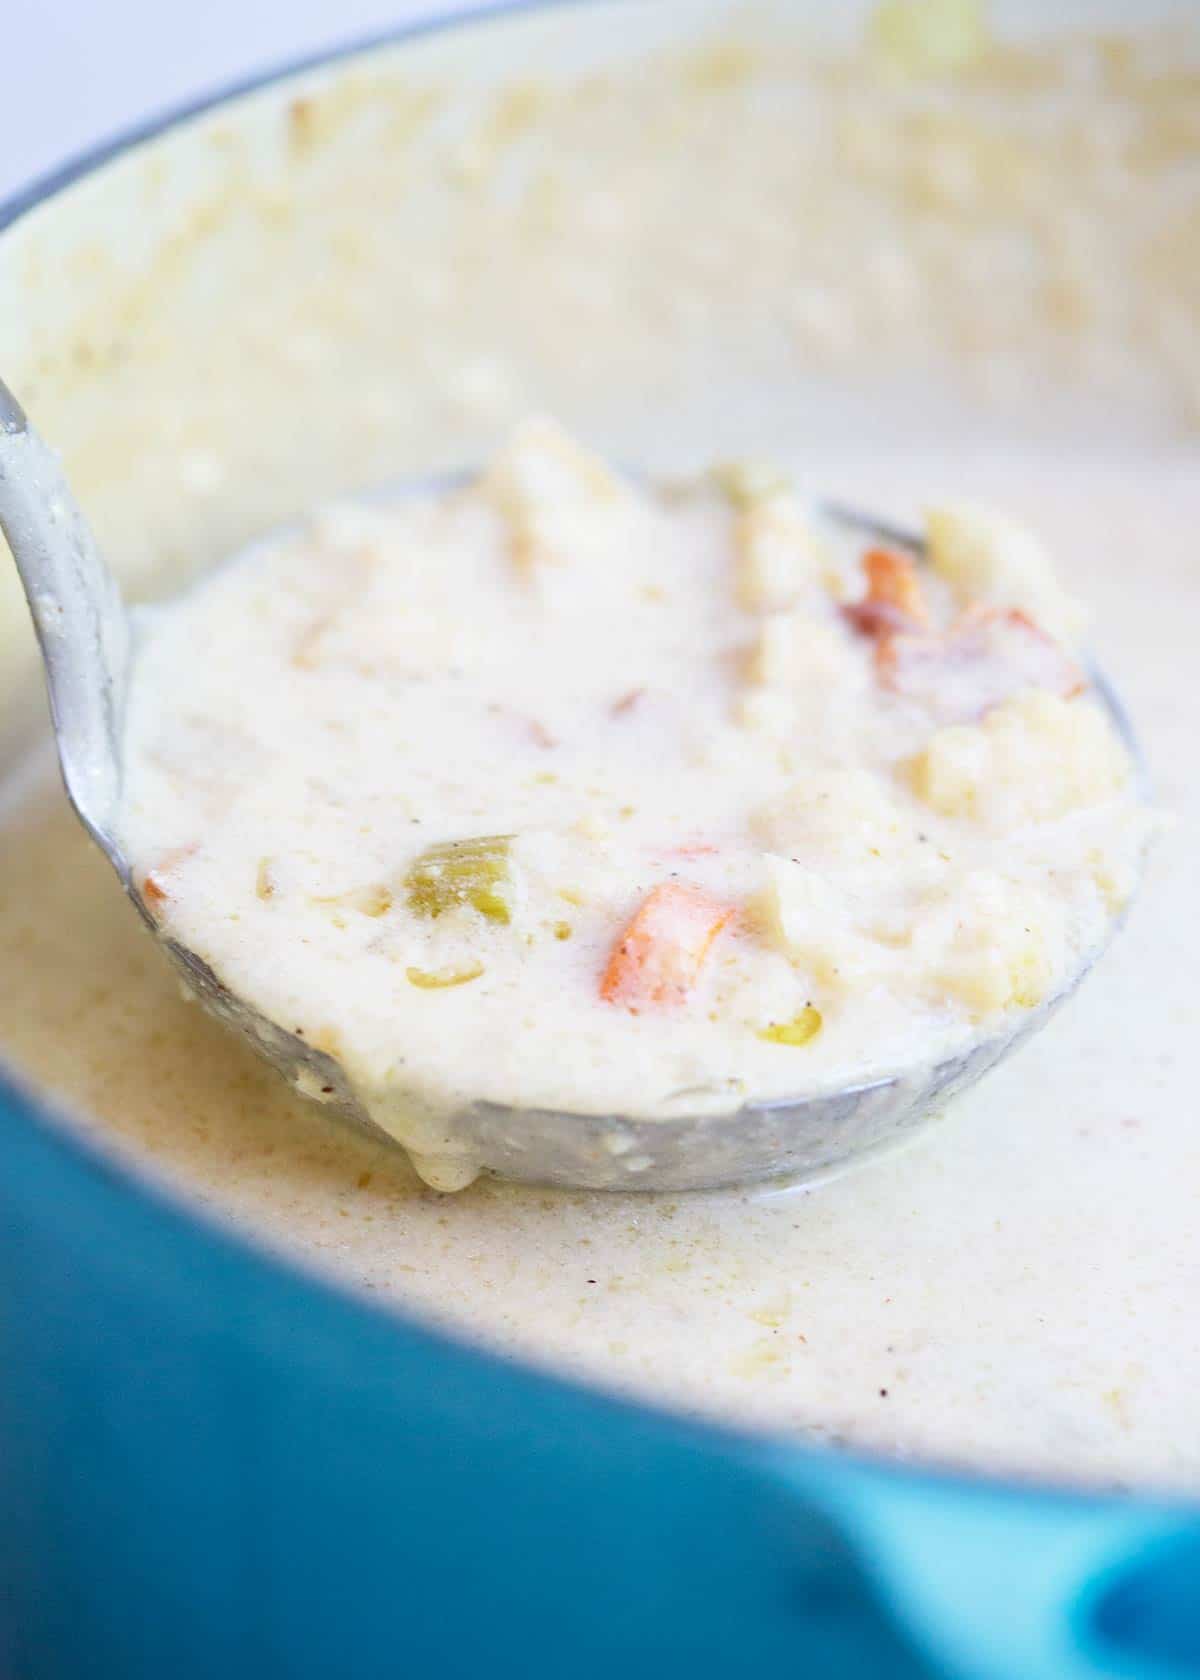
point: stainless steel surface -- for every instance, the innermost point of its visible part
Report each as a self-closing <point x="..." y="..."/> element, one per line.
<point x="84" y="634"/>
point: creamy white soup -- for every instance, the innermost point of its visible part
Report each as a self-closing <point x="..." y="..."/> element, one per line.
<point x="559" y="792"/>
<point x="1015" y="1292"/>
<point x="920" y="267"/>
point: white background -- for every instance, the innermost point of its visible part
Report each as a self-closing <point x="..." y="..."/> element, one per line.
<point x="77" y="71"/>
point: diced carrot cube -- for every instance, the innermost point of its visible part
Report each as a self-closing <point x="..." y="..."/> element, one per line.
<point x="155" y="883"/>
<point x="153" y="891"/>
<point x="658" y="957"/>
<point x="894" y="599"/>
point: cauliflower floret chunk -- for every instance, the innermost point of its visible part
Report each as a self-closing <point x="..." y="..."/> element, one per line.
<point x="778" y="555"/>
<point x="992" y="945"/>
<point x="834" y="814"/>
<point x="809" y="919"/>
<point x="551" y="491"/>
<point x="796" y="651"/>
<point x="987" y="558"/>
<point x="1032" y="759"/>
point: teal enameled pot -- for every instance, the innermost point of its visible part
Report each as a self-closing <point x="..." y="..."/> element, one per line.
<point x="212" y="1464"/>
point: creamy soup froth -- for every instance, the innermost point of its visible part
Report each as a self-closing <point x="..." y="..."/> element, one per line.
<point x="1015" y="1292"/>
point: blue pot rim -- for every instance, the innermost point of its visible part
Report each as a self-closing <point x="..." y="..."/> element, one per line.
<point x="22" y="1103"/>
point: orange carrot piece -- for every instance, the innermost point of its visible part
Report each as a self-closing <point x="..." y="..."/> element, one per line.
<point x="893" y="581"/>
<point x="658" y="958"/>
<point x="155" y="889"/>
<point x="894" y="599"/>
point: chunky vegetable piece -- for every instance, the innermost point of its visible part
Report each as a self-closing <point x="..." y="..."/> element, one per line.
<point x="462" y="874"/>
<point x="894" y="600"/>
<point x="998" y="944"/>
<point x="156" y="883"/>
<point x="658" y="958"/>
<point x="808" y="914"/>
<point x="987" y="655"/>
<point x="1036" y="758"/>
<point x="439" y="980"/>
<point x="988" y="560"/>
<point x="153" y="890"/>
<point x="778" y="555"/>
<point x="554" y="494"/>
<point x="747" y="484"/>
<point x="800" y="1030"/>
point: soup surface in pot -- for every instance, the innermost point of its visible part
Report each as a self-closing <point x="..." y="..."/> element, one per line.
<point x="738" y="249"/>
<point x="1015" y="1292"/>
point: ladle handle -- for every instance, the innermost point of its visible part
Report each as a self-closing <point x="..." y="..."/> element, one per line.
<point x="77" y="611"/>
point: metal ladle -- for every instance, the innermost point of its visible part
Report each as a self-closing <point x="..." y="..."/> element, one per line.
<point x="86" y="646"/>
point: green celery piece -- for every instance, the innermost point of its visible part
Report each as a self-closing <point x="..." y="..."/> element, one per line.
<point x="462" y="873"/>
<point x="804" y="1027"/>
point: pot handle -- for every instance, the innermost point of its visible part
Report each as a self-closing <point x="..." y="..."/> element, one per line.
<point x="1000" y="1584"/>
